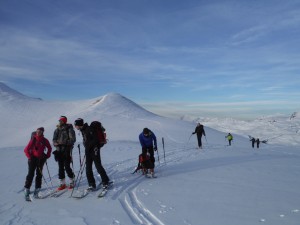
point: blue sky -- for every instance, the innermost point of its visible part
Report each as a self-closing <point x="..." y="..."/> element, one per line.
<point x="202" y="58"/>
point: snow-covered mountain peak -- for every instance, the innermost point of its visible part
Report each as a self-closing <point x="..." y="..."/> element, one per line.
<point x="116" y="104"/>
<point x="7" y="93"/>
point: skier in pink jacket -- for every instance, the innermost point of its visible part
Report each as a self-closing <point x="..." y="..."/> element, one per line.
<point x="34" y="151"/>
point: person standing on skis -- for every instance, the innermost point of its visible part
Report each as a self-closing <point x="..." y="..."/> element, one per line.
<point x="149" y="145"/>
<point x="199" y="130"/>
<point x="63" y="139"/>
<point x="92" y="154"/>
<point x="34" y="151"/>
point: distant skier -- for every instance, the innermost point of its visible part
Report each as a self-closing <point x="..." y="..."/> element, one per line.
<point x="199" y="130"/>
<point x="229" y="138"/>
<point x="92" y="153"/>
<point x="149" y="145"/>
<point x="257" y="142"/>
<point x="34" y="151"/>
<point x="253" y="141"/>
<point x="64" y="139"/>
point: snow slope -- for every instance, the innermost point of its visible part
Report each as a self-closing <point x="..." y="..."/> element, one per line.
<point x="218" y="185"/>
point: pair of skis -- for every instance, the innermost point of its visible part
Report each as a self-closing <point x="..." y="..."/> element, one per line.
<point x="81" y="194"/>
<point x="45" y="194"/>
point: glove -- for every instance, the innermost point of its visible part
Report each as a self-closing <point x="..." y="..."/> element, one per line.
<point x="56" y="155"/>
<point x="46" y="156"/>
<point x="96" y="150"/>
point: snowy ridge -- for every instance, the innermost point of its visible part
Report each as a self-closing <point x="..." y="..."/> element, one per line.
<point x="9" y="94"/>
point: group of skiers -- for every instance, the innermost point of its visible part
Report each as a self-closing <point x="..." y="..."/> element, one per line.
<point x="199" y="130"/>
<point x="63" y="140"/>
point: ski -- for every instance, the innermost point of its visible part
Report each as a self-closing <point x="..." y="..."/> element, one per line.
<point x="103" y="192"/>
<point x="81" y="194"/>
<point x="151" y="176"/>
<point x="46" y="194"/>
<point x="58" y="193"/>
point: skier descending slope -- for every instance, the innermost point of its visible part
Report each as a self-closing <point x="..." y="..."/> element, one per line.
<point x="34" y="151"/>
<point x="147" y="139"/>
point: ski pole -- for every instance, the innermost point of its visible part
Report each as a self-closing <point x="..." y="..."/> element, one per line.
<point x="163" y="143"/>
<point x="81" y="169"/>
<point x="184" y="148"/>
<point x="41" y="172"/>
<point x="79" y="154"/>
<point x="49" y="175"/>
<point x="157" y="156"/>
<point x="71" y="156"/>
<point x="206" y="142"/>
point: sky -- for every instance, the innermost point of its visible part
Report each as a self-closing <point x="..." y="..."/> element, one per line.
<point x="220" y="58"/>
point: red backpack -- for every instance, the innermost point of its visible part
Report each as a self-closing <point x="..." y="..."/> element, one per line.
<point x="100" y="130"/>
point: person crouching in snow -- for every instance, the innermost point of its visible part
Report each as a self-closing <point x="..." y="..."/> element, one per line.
<point x="34" y="151"/>
<point x="149" y="145"/>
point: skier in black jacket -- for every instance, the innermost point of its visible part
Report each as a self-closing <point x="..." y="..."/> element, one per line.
<point x="92" y="154"/>
<point x="199" y="130"/>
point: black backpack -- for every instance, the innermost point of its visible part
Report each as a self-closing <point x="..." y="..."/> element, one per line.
<point x="100" y="130"/>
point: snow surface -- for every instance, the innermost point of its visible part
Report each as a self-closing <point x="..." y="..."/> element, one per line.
<point x="217" y="185"/>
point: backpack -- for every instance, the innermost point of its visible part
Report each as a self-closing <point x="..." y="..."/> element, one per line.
<point x="144" y="164"/>
<point x="100" y="130"/>
<point x="33" y="133"/>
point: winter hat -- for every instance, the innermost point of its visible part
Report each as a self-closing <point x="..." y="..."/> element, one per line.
<point x="79" y="122"/>
<point x="41" y="129"/>
<point x="63" y="119"/>
<point x="145" y="130"/>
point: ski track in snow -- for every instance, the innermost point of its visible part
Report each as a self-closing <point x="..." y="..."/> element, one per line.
<point x="140" y="214"/>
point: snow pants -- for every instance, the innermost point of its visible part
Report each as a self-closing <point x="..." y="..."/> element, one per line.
<point x="34" y="165"/>
<point x="64" y="162"/>
<point x="151" y="153"/>
<point x="199" y="138"/>
<point x="93" y="156"/>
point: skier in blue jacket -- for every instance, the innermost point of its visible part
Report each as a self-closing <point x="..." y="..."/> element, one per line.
<point x="149" y="145"/>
